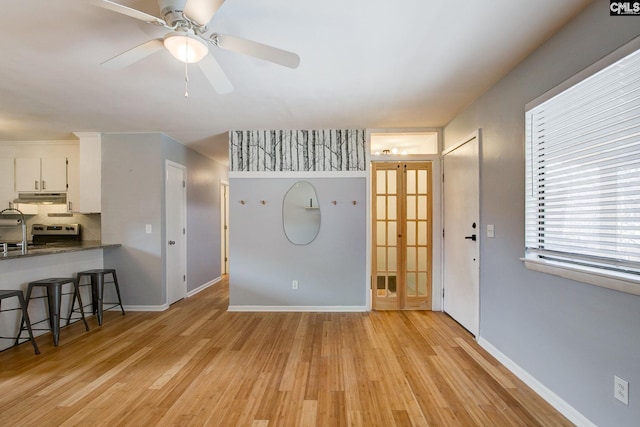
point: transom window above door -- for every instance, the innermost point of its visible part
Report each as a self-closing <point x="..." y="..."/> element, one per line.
<point x="389" y="144"/>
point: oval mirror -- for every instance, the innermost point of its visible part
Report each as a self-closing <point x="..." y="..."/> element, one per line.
<point x="301" y="213"/>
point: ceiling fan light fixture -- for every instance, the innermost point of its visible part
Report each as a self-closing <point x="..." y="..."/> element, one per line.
<point x="185" y="47"/>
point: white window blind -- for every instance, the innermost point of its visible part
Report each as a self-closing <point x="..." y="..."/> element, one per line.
<point x="583" y="172"/>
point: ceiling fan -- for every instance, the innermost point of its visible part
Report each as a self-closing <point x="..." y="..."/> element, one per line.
<point x="188" y="39"/>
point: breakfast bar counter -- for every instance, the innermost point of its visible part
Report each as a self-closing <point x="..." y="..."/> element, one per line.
<point x="50" y="260"/>
<point x="57" y="248"/>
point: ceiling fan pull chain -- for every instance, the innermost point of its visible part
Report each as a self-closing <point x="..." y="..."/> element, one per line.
<point x="186" y="81"/>
<point x="186" y="68"/>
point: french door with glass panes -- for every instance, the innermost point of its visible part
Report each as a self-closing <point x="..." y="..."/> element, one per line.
<point x="402" y="249"/>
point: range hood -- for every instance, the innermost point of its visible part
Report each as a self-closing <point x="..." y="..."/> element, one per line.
<point x="42" y="198"/>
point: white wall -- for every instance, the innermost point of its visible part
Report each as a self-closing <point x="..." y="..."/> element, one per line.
<point x="571" y="337"/>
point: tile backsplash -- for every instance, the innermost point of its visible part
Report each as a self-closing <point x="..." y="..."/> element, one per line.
<point x="90" y="225"/>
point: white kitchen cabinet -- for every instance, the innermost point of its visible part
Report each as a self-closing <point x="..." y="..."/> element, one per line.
<point x="41" y="174"/>
<point x="27" y="176"/>
<point x="6" y="183"/>
<point x="54" y="174"/>
<point x="7" y="193"/>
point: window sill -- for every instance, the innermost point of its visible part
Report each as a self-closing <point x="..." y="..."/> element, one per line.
<point x="619" y="282"/>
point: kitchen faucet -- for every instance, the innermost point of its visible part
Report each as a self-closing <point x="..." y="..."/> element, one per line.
<point x="24" y="227"/>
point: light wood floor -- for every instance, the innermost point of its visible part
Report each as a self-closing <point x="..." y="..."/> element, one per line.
<point x="197" y="364"/>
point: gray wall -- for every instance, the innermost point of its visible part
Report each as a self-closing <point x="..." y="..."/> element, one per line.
<point x="133" y="196"/>
<point x="132" y="191"/>
<point x="570" y="336"/>
<point x="330" y="270"/>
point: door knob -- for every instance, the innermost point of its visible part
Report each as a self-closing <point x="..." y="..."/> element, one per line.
<point x="172" y="242"/>
<point x="472" y="237"/>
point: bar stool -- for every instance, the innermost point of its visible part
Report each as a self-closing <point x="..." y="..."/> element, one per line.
<point x="53" y="288"/>
<point x="97" y="283"/>
<point x="25" y="316"/>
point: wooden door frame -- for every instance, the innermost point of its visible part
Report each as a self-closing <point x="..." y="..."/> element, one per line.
<point x="224" y="218"/>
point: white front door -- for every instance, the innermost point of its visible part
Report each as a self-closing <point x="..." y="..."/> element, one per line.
<point x="462" y="233"/>
<point x="175" y="226"/>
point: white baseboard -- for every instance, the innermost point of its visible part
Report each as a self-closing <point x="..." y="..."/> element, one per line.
<point x="553" y="399"/>
<point x="203" y="287"/>
<point x="162" y="307"/>
<point x="299" y="308"/>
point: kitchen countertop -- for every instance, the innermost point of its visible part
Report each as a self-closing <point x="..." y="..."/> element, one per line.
<point x="57" y="248"/>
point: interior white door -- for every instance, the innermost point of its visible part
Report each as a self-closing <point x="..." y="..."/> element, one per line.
<point x="175" y="226"/>
<point x="462" y="234"/>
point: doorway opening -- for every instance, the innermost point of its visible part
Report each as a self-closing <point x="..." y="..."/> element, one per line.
<point x="224" y="227"/>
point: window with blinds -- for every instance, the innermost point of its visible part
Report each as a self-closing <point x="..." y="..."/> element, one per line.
<point x="583" y="172"/>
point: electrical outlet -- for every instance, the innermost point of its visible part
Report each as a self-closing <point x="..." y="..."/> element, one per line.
<point x="621" y="390"/>
<point x="294" y="284"/>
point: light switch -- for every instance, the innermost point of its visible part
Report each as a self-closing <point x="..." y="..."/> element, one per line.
<point x="491" y="231"/>
<point x="148" y="229"/>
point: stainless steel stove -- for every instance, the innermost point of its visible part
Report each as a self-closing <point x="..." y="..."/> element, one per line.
<point x="55" y="233"/>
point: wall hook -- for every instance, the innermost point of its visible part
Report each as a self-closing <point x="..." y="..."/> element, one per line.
<point x="334" y="202"/>
<point x="242" y="202"/>
<point x="262" y="202"/>
<point x="354" y="203"/>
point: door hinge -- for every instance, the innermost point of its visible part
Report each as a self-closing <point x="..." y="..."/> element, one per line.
<point x="184" y="231"/>
<point x="442" y="177"/>
<point x="184" y="184"/>
<point x="184" y="278"/>
<point x="443" y="293"/>
<point x="443" y="233"/>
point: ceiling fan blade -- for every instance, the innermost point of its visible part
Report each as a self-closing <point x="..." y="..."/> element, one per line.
<point x="216" y="76"/>
<point x="125" y="10"/>
<point x="257" y="50"/>
<point x="134" y="54"/>
<point x="201" y="11"/>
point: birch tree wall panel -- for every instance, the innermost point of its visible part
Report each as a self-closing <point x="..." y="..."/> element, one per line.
<point x="322" y="150"/>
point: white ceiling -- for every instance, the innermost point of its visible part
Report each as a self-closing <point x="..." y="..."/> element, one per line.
<point x="364" y="64"/>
